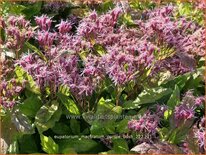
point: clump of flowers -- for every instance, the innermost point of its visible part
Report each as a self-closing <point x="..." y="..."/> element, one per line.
<point x="9" y="93"/>
<point x="184" y="36"/>
<point x="186" y="110"/>
<point x="121" y="64"/>
<point x="18" y="31"/>
<point x="149" y="122"/>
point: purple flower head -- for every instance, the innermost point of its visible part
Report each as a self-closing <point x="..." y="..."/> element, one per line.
<point x="9" y="91"/>
<point x="116" y="12"/>
<point x="64" y="27"/>
<point x="44" y="22"/>
<point x="46" y="38"/>
<point x="18" y="89"/>
<point x="200" y="135"/>
<point x="200" y="100"/>
<point x="186" y="110"/>
<point x="18" y="30"/>
<point x="93" y="16"/>
<point x="148" y="123"/>
<point x="12" y="20"/>
<point x="163" y="11"/>
<point x="183" y="112"/>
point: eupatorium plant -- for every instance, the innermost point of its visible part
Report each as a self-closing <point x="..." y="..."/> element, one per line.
<point x="96" y="73"/>
<point x="124" y="55"/>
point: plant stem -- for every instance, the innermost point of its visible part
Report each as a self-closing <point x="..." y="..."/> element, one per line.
<point x="119" y="91"/>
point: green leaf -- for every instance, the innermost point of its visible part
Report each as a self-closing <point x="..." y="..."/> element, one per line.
<point x="61" y="128"/>
<point x="105" y="118"/>
<point x="36" y="50"/>
<point x="48" y="145"/>
<point x="167" y="114"/>
<point x="23" y="75"/>
<point x="147" y="96"/>
<point x="2" y="111"/>
<point x="102" y="127"/>
<point x="22" y="123"/>
<point x="75" y="126"/>
<point x="13" y="148"/>
<point x="105" y="6"/>
<point x="32" y="10"/>
<point x="180" y="81"/>
<point x="163" y="132"/>
<point x="63" y="89"/>
<point x="100" y="50"/>
<point x="27" y="144"/>
<point x="47" y="111"/>
<point x="69" y="150"/>
<point x="80" y="145"/>
<point x="174" y="98"/>
<point x="127" y="19"/>
<point x="30" y="106"/>
<point x="15" y="8"/>
<point x="122" y="126"/>
<point x="47" y="116"/>
<point x="88" y="117"/>
<point x="69" y="104"/>
<point x="120" y="146"/>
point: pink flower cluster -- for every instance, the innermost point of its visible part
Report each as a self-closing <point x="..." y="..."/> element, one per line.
<point x="149" y="122"/>
<point x="18" y="31"/>
<point x="9" y="92"/>
<point x="182" y="35"/>
<point x="62" y="49"/>
<point x="126" y="53"/>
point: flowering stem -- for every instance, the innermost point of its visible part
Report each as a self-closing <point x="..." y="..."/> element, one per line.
<point x="119" y="91"/>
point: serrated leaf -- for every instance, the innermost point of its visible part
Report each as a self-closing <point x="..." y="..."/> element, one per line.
<point x="105" y="118"/>
<point x="120" y="146"/>
<point x="48" y="145"/>
<point x="47" y="117"/>
<point x="174" y="98"/>
<point x="51" y="123"/>
<point x="46" y="111"/>
<point x="69" y="104"/>
<point x="30" y="106"/>
<point x="22" y="123"/>
<point x="180" y="81"/>
<point x="147" y="96"/>
<point x="127" y="19"/>
<point x="88" y="117"/>
<point x="163" y="132"/>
